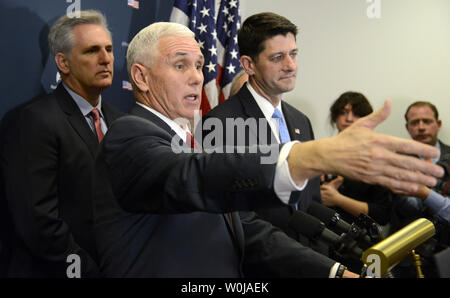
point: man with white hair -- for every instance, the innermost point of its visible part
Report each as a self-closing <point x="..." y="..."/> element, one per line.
<point x="171" y="212"/>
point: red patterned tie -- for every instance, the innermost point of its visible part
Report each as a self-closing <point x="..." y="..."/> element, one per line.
<point x="191" y="141"/>
<point x="97" y="124"/>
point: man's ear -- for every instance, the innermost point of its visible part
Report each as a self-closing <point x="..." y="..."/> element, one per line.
<point x="62" y="63"/>
<point x="138" y="72"/>
<point x="247" y="64"/>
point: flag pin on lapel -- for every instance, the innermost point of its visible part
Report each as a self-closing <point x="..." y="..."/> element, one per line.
<point x="297" y="131"/>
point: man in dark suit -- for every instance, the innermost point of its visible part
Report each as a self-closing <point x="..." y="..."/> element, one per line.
<point x="268" y="51"/>
<point x="168" y="211"/>
<point x="48" y="150"/>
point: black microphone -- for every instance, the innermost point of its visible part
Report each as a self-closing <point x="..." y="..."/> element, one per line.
<point x="330" y="217"/>
<point x="314" y="229"/>
<point x="364" y="229"/>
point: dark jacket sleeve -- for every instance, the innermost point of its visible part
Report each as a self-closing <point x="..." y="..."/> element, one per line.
<point x="269" y="252"/>
<point x="148" y="173"/>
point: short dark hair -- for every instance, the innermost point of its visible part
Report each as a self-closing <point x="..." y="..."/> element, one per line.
<point x="421" y="104"/>
<point x="360" y="105"/>
<point x="258" y="28"/>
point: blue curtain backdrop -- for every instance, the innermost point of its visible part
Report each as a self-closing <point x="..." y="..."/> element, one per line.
<point x="26" y="68"/>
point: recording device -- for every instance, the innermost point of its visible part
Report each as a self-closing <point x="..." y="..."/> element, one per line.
<point x="364" y="230"/>
<point x="396" y="247"/>
<point x="328" y="177"/>
<point x="443" y="184"/>
<point x="313" y="228"/>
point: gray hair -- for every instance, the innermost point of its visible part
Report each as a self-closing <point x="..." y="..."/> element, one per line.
<point x="60" y="37"/>
<point x="144" y="47"/>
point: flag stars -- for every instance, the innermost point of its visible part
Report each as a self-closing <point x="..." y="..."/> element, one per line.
<point x="214" y="34"/>
<point x="211" y="66"/>
<point x="233" y="3"/>
<point x="205" y="11"/>
<point x="231" y="68"/>
<point x="213" y="50"/>
<point x="201" y="44"/>
<point x="234" y="54"/>
<point x="202" y="28"/>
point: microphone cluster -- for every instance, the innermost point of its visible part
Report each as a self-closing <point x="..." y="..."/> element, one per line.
<point x="361" y="240"/>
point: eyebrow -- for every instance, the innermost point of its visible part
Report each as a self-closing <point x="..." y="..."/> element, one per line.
<point x="183" y="54"/>
<point x="283" y="52"/>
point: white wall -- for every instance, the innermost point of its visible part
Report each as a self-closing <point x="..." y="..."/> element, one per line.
<point x="404" y="55"/>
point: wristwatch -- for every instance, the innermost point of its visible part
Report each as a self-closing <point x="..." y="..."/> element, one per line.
<point x="340" y="271"/>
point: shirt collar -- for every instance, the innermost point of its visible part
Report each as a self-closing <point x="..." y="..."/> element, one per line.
<point x="84" y="106"/>
<point x="173" y="125"/>
<point x="267" y="108"/>
<point x="265" y="105"/>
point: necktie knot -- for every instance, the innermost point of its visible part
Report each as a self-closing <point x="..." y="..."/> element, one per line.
<point x="95" y="114"/>
<point x="97" y="124"/>
<point x="277" y="114"/>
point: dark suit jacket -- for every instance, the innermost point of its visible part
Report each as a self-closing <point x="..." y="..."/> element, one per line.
<point x="243" y="105"/>
<point x="48" y="154"/>
<point x="445" y="149"/>
<point x="165" y="214"/>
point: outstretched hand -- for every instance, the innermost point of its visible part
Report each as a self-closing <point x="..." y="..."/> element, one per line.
<point x="361" y="154"/>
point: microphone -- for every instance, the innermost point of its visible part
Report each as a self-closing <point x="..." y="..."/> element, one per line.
<point x="313" y="228"/>
<point x="330" y="217"/>
<point x="364" y="229"/>
<point x="396" y="247"/>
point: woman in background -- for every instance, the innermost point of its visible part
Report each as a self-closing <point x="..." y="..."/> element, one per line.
<point x="351" y="198"/>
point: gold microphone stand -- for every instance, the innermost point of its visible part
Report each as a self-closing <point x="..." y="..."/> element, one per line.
<point x="417" y="264"/>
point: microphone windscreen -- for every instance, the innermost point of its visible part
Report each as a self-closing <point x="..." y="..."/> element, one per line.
<point x="322" y="212"/>
<point x="306" y="224"/>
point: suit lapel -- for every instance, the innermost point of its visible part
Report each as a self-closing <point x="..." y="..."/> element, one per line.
<point x="76" y="119"/>
<point x="295" y="130"/>
<point x="252" y="110"/>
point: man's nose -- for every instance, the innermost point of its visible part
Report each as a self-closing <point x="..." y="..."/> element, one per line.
<point x="195" y="76"/>
<point x="290" y="63"/>
<point x="421" y="125"/>
<point x="105" y="56"/>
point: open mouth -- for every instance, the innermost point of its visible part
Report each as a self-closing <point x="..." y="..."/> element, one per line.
<point x="192" y="97"/>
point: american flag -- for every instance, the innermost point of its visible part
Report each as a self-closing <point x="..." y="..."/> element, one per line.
<point x="127" y="85"/>
<point x="216" y="34"/>
<point x="133" y="3"/>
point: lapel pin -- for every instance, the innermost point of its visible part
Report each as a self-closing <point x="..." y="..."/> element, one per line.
<point x="297" y="131"/>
